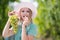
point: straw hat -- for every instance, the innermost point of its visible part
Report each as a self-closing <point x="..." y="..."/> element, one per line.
<point x="28" y="5"/>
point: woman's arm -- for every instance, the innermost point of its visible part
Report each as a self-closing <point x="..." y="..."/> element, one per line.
<point x="24" y="35"/>
<point x="7" y="31"/>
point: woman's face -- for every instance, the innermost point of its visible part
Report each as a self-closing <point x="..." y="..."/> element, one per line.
<point x="25" y="12"/>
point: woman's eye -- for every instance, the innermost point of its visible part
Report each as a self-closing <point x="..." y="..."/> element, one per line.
<point x="28" y="11"/>
<point x="22" y="11"/>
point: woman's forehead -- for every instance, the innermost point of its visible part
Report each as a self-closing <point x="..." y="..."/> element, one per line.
<point x="25" y="8"/>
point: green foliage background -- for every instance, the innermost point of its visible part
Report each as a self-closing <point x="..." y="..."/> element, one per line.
<point x="47" y="19"/>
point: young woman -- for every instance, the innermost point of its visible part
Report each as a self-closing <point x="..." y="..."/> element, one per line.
<point x="26" y="30"/>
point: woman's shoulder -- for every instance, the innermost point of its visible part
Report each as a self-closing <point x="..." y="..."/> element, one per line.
<point x="33" y="25"/>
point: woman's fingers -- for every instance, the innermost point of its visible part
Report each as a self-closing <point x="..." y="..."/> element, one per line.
<point x="26" y="18"/>
<point x="26" y="21"/>
<point x="11" y="13"/>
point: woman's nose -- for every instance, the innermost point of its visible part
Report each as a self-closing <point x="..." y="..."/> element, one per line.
<point x="25" y="12"/>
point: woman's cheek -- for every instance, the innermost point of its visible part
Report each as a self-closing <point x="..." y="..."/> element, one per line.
<point x="23" y="18"/>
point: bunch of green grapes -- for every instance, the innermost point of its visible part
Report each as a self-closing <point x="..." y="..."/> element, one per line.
<point x="14" y="24"/>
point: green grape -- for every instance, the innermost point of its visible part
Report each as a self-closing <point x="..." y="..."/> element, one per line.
<point x="14" y="24"/>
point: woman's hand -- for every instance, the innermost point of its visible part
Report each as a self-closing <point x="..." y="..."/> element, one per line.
<point x="14" y="13"/>
<point x="25" y="22"/>
<point x="11" y="13"/>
